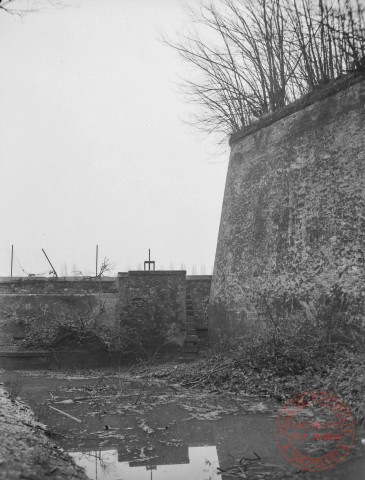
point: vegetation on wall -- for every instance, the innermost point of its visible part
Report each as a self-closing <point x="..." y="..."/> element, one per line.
<point x="74" y="322"/>
<point x="272" y="369"/>
<point x="69" y="325"/>
<point x="252" y="57"/>
<point x="280" y="362"/>
<point x="143" y="330"/>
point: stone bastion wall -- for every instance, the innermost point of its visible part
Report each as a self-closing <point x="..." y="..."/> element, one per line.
<point x="292" y="230"/>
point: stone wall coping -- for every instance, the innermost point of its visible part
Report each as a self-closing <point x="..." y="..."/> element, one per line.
<point x="63" y="295"/>
<point x="206" y="278"/>
<point x="35" y="353"/>
<point x="328" y="90"/>
<point x="153" y="272"/>
<point x="56" y="280"/>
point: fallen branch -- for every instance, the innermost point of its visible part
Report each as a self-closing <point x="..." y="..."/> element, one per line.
<point x="67" y="414"/>
<point x="49" y="433"/>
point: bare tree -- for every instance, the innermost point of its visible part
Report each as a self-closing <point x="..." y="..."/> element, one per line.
<point x="19" y="7"/>
<point x="6" y="7"/>
<point x="105" y="267"/>
<point x="331" y="40"/>
<point x="252" y="57"/>
<point x="15" y="7"/>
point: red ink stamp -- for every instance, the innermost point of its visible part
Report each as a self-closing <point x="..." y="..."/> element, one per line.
<point x="314" y="430"/>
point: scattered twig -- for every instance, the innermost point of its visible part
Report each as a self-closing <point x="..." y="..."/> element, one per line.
<point x="52" y="471"/>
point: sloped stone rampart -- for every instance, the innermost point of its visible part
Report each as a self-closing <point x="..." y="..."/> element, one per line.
<point x="292" y="228"/>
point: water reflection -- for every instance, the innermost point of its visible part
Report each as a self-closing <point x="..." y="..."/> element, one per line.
<point x="170" y="445"/>
<point x="200" y="463"/>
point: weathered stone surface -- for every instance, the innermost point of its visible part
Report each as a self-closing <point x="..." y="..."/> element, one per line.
<point x="293" y="219"/>
<point x="167" y="288"/>
<point x="153" y="306"/>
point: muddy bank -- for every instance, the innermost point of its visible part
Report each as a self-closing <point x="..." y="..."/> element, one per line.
<point x="25" y="450"/>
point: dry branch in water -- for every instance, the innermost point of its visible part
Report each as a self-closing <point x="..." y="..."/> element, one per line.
<point x="66" y="414"/>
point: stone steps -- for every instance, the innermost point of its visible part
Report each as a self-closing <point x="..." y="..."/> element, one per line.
<point x="192" y="339"/>
<point x="191" y="348"/>
<point x="190" y="331"/>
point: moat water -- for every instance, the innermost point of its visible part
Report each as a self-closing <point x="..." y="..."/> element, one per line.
<point x="148" y="430"/>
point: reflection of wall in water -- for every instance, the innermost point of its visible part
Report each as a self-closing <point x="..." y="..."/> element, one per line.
<point x="163" y="454"/>
<point x="232" y="437"/>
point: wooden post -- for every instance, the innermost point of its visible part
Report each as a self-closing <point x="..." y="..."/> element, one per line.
<point x="49" y="261"/>
<point x="12" y="256"/>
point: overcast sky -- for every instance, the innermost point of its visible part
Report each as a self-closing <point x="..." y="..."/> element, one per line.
<point x="93" y="144"/>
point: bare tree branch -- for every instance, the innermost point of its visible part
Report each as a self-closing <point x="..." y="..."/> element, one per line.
<point x="251" y="57"/>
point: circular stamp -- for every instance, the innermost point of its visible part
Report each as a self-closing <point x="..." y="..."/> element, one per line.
<point x="314" y="430"/>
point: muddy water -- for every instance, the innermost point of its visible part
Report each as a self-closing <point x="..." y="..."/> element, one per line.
<point x="167" y="442"/>
<point x="201" y="463"/>
<point x="122" y="427"/>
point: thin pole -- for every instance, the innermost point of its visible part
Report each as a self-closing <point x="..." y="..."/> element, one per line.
<point x="12" y="256"/>
<point x="49" y="261"/>
<point x="149" y="259"/>
<point x="96" y="267"/>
